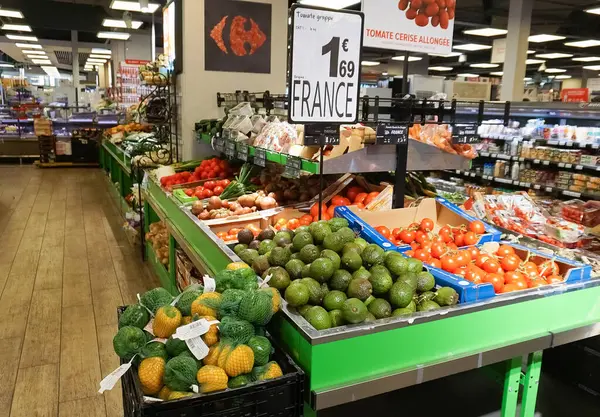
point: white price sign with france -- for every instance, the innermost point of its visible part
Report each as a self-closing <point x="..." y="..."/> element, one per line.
<point x="325" y="65"/>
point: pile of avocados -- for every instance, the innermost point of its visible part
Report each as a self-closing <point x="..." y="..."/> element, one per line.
<point x="334" y="278"/>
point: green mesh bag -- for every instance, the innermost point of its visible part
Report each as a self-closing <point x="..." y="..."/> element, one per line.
<point x="151" y="350"/>
<point x="235" y="330"/>
<point x="187" y="298"/>
<point x="180" y="373"/>
<point x="175" y="346"/>
<point x="156" y="298"/>
<point x="262" y="349"/>
<point x="256" y="307"/>
<point x="230" y="302"/>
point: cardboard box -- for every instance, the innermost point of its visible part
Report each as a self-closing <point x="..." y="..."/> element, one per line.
<point x="227" y="225"/>
<point x="441" y="211"/>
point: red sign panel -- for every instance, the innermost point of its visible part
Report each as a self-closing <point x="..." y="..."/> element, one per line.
<point x="575" y="95"/>
<point x="136" y="61"/>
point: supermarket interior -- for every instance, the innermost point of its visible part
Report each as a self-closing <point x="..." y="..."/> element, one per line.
<point x="285" y="208"/>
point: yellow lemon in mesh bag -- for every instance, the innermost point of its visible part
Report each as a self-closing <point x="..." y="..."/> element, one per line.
<point x="225" y="350"/>
<point x="164" y="393"/>
<point x="166" y="321"/>
<point x="239" y="361"/>
<point x="212" y="336"/>
<point x="213" y="355"/>
<point x="211" y="378"/>
<point x="269" y="371"/>
<point x="151" y="372"/>
<point x="175" y="395"/>
<point x="206" y="304"/>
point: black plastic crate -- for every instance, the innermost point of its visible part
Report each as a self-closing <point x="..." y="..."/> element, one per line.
<point x="281" y="397"/>
<point x="576" y="364"/>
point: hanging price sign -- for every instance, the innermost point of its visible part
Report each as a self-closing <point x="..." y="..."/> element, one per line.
<point x="391" y="134"/>
<point x="218" y="144"/>
<point x="293" y="166"/>
<point x="260" y="157"/>
<point x="321" y="135"/>
<point x="465" y="133"/>
<point x="242" y="151"/>
<point x="325" y="65"/>
<point x="230" y="149"/>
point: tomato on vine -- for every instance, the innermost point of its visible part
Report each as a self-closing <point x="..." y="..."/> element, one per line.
<point x="477" y="227"/>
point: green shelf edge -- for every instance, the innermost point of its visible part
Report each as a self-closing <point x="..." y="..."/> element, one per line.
<point x="307" y="166"/>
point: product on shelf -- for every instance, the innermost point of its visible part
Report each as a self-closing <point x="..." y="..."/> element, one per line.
<point x="580" y="212"/>
<point x="440" y="136"/>
<point x="158" y="235"/>
<point x="187" y="274"/>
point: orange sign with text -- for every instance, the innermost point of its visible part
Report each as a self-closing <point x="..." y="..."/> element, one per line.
<point x="575" y="95"/>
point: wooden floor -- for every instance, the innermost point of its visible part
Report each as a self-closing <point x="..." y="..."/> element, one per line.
<point x="65" y="266"/>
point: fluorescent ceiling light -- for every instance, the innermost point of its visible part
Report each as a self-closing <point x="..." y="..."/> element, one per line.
<point x="486" y="32"/>
<point x="51" y="71"/>
<point x="468" y="75"/>
<point x="101" y="51"/>
<point x="545" y="38"/>
<point x="555" y="70"/>
<point x="21" y="37"/>
<point x="132" y="6"/>
<point x="100" y="56"/>
<point x="22" y="28"/>
<point x="114" y="23"/>
<point x="497" y="73"/>
<point x="11" y="13"/>
<point x="330" y="4"/>
<point x="472" y="47"/>
<point x="96" y="61"/>
<point x="592" y="67"/>
<point x="534" y="61"/>
<point x="4" y="65"/>
<point x="529" y="51"/>
<point x="114" y="35"/>
<point x="587" y="58"/>
<point x="563" y="77"/>
<point x="551" y="77"/>
<point x="34" y="52"/>
<point x="41" y="61"/>
<point x="369" y="63"/>
<point x="37" y="57"/>
<point x="595" y="10"/>
<point x="527" y="79"/>
<point x="450" y="55"/>
<point x="583" y="44"/>
<point x="440" y="68"/>
<point x="554" y="55"/>
<point x="484" y="65"/>
<point x="384" y="73"/>
<point x="410" y="58"/>
<point x="28" y="45"/>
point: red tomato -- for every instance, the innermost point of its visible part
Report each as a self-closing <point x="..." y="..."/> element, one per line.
<point x="336" y="199"/>
<point x="199" y="194"/>
<point x="473" y="251"/>
<point x="475" y="274"/>
<point x="189" y="192"/>
<point x="293" y="224"/>
<point x="435" y="262"/>
<point x="218" y="190"/>
<point x="421" y="255"/>
<point x="396" y="232"/>
<point x="421" y="237"/>
<point x="360" y="198"/>
<point x="496" y="280"/>
<point x="505" y="250"/>
<point x="371" y="197"/>
<point x="314" y="210"/>
<point x="224" y="183"/>
<point x="459" y="239"/>
<point x="410" y="253"/>
<point x="449" y="263"/>
<point x="481" y="258"/>
<point x="438" y="249"/>
<point x="477" y="227"/>
<point x="446" y="234"/>
<point x="510" y="288"/>
<point x="470" y="238"/>
<point x="535" y="283"/>
<point x="426" y="225"/>
<point x="553" y="279"/>
<point x="512" y="276"/>
<point x="461" y="271"/>
<point x="207" y="193"/>
<point x="548" y="268"/>
<point x="330" y="211"/>
<point x="360" y="206"/>
<point x="385" y="232"/>
<point x="491" y="266"/>
<point x="530" y="269"/>
<point x="463" y="258"/>
<point x="353" y="192"/>
<point x="210" y="184"/>
<point x="510" y="262"/>
<point x="407" y="236"/>
<point x="343" y="202"/>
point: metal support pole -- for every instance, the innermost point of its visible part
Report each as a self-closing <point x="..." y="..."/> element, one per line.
<point x="531" y="384"/>
<point x="400" y="175"/>
<point x="75" y="52"/>
<point x="512" y="376"/>
<point x="405" y="74"/>
<point x="321" y="179"/>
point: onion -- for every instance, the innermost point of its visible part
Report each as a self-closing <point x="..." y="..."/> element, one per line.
<point x="225" y="204"/>
<point x="214" y="203"/>
<point x="267" y="203"/>
<point x="205" y="215"/>
<point x="197" y="207"/>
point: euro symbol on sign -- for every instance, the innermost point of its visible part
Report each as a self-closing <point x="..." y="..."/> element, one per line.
<point x="345" y="45"/>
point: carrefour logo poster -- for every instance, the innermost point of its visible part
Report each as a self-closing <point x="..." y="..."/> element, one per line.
<point x="409" y="25"/>
<point x="237" y="36"/>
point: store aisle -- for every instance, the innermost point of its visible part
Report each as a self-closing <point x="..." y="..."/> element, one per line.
<point x="65" y="266"/>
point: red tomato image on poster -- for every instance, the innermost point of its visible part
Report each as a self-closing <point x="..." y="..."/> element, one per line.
<point x="429" y="12"/>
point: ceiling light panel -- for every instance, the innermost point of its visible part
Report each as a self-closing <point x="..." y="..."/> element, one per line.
<point x="51" y="71"/>
<point x="499" y="73"/>
<point x="11" y="13"/>
<point x="486" y="32"/>
<point x="563" y="77"/>
<point x="101" y="51"/>
<point x="114" y="35"/>
<point x="583" y="44"/>
<point x="132" y="6"/>
<point x="98" y="56"/>
<point x="440" y="68"/>
<point x="527" y="79"/>
<point x="587" y="58"/>
<point x="467" y="75"/>
<point x="21" y="28"/>
<point x="592" y="67"/>
<point x="410" y="58"/>
<point x="330" y="4"/>
<point x="29" y="52"/>
<point x="471" y="47"/>
<point x="28" y="45"/>
<point x="41" y="61"/>
<point x="484" y="65"/>
<point x="21" y="37"/>
<point x="554" y="55"/>
<point x="114" y="23"/>
<point x="555" y="70"/>
<point x="96" y="61"/>
<point x="369" y="63"/>
<point x="545" y="38"/>
<point x="450" y="55"/>
<point x="529" y="51"/>
<point x="534" y="61"/>
<point x="595" y="10"/>
<point x="4" y="65"/>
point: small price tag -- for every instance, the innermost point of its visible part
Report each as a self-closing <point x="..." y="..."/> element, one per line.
<point x="537" y="186"/>
<point x="192" y="330"/>
<point x="209" y="284"/>
<point x="111" y="379"/>
<point x="260" y="157"/>
<point x="579" y="167"/>
<point x="197" y="346"/>
<point x="242" y="151"/>
<point x="465" y="133"/>
<point x="391" y="134"/>
<point x="218" y="144"/>
<point x="569" y="143"/>
<point x="552" y="142"/>
<point x="546" y="162"/>
<point x="561" y="165"/>
<point x="293" y="166"/>
<point x="548" y="189"/>
<point x="484" y="153"/>
<point x="321" y="135"/>
<point x="536" y="161"/>
<point x="572" y="194"/>
<point x="568" y="165"/>
<point x="230" y="149"/>
<point x="149" y="326"/>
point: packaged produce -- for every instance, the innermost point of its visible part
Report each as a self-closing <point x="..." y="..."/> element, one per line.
<point x="579" y="212"/>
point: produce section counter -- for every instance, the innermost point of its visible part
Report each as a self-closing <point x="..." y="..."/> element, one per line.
<point x="349" y="363"/>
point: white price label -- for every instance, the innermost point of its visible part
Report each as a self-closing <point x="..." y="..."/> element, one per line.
<point x="572" y="194"/>
<point x="569" y="143"/>
<point x="548" y="189"/>
<point x="149" y="327"/>
<point x="485" y="153"/>
<point x="111" y="379"/>
<point x="209" y="284"/>
<point x="579" y="167"/>
<point x="568" y="165"/>
<point x="197" y="346"/>
<point x="325" y="65"/>
<point x="192" y="330"/>
<point x="536" y="161"/>
<point x="546" y="162"/>
<point x="537" y="186"/>
<point x="561" y="164"/>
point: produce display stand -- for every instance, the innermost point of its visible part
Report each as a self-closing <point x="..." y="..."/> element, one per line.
<point x="399" y="352"/>
<point x="117" y="165"/>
